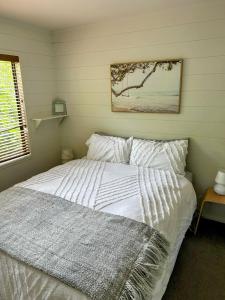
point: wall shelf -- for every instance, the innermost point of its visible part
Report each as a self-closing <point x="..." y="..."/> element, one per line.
<point x="38" y="121"/>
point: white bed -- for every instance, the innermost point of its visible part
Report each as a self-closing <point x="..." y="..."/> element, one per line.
<point x="170" y="210"/>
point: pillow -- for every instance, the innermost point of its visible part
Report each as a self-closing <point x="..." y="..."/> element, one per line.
<point x="109" y="148"/>
<point x="167" y="155"/>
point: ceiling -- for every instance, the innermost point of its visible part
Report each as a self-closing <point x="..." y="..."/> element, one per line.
<point x="55" y="14"/>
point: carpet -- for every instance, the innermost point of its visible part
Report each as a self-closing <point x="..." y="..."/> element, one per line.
<point x="199" y="272"/>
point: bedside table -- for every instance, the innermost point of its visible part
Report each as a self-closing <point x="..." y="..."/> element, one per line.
<point x="211" y="197"/>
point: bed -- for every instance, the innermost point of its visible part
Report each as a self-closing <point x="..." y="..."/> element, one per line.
<point x="159" y="198"/>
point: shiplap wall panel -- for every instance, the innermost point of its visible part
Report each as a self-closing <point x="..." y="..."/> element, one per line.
<point x="45" y="86"/>
<point x="189" y="83"/>
<point x="193" y="66"/>
<point x="23" y="30"/>
<point x="205" y="65"/>
<point x="24" y="45"/>
<point x="195" y="98"/>
<point x="178" y="34"/>
<point x="195" y="33"/>
<point x="168" y="127"/>
<point x="34" y="73"/>
<point x="192" y="49"/>
<point x="34" y="48"/>
<point x="196" y="114"/>
<point x="32" y="59"/>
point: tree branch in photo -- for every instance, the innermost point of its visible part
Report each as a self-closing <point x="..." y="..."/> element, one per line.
<point x="119" y="72"/>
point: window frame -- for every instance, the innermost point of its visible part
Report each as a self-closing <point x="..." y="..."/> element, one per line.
<point x="21" y="111"/>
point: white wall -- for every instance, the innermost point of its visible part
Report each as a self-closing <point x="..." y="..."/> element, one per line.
<point x="195" y="33"/>
<point x="34" y="48"/>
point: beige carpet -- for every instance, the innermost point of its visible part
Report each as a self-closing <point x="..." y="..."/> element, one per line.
<point x="199" y="273"/>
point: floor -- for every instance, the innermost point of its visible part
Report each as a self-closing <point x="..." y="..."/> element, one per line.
<point x="199" y="273"/>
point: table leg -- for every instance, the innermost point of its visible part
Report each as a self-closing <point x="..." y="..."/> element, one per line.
<point x="199" y="216"/>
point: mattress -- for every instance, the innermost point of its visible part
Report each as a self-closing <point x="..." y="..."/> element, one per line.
<point x="119" y="185"/>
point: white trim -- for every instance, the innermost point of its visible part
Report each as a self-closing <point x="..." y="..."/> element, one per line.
<point x="15" y="161"/>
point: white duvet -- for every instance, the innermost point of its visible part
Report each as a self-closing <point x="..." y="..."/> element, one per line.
<point x="159" y="198"/>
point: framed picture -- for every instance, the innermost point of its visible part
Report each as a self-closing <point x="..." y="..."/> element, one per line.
<point x="59" y="107"/>
<point x="149" y="86"/>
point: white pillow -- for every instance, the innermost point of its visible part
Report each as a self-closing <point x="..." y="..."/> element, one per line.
<point x="168" y="155"/>
<point x="109" y="148"/>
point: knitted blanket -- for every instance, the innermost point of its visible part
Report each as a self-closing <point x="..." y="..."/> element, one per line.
<point x="103" y="255"/>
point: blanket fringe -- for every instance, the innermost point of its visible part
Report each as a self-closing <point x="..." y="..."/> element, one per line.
<point x="147" y="269"/>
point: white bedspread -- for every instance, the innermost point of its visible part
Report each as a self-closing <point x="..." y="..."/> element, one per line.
<point x="159" y="198"/>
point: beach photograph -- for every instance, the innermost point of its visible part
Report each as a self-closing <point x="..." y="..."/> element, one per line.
<point x="152" y="87"/>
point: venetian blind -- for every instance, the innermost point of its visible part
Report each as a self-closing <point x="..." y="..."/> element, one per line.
<point x="14" y="141"/>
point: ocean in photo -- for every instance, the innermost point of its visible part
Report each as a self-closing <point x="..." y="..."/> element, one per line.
<point x="143" y="102"/>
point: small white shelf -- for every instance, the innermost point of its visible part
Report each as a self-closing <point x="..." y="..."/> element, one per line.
<point x="38" y="121"/>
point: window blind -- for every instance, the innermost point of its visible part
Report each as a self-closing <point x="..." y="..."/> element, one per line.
<point x="14" y="140"/>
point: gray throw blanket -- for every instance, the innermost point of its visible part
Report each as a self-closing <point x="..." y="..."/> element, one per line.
<point x="105" y="256"/>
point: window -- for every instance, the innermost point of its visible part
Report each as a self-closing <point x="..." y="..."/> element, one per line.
<point x="14" y="141"/>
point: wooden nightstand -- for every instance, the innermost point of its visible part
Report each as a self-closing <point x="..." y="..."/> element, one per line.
<point x="212" y="197"/>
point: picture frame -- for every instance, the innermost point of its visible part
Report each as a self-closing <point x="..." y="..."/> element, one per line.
<point x="152" y="86"/>
<point x="59" y="107"/>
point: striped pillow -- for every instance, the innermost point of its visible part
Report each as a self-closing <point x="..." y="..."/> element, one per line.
<point x="169" y="155"/>
<point x="109" y="148"/>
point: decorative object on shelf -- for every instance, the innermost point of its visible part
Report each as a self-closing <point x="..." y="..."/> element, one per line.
<point x="67" y="155"/>
<point x="59" y="107"/>
<point x="150" y="86"/>
<point x="38" y="121"/>
<point x="219" y="187"/>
